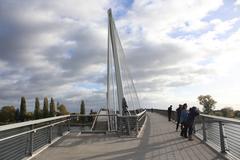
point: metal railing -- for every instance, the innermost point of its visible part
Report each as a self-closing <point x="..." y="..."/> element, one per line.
<point x="131" y="125"/>
<point x="102" y="123"/>
<point x="94" y="123"/>
<point x="223" y="134"/>
<point x="25" y="139"/>
<point x="220" y="133"/>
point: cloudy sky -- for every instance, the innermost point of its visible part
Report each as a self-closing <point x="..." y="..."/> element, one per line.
<point x="176" y="50"/>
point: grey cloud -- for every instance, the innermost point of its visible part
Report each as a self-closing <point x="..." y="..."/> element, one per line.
<point x="44" y="54"/>
<point x="35" y="68"/>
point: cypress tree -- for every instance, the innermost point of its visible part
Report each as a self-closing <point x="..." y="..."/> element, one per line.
<point x="23" y="109"/>
<point x="45" y="107"/>
<point x="82" y="111"/>
<point x="52" y="108"/>
<point x="37" y="109"/>
<point x="82" y="107"/>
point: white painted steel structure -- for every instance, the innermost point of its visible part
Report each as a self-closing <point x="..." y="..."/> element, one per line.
<point x="119" y="81"/>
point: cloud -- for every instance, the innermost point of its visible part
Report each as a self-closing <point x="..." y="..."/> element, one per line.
<point x="237" y="3"/>
<point x="49" y="47"/>
<point x="58" y="49"/>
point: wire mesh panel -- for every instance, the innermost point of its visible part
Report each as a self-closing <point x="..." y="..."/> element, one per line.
<point x="41" y="138"/>
<point x="15" y="148"/>
<point x="232" y="133"/>
<point x="55" y="131"/>
<point x="130" y="125"/>
<point x="213" y="133"/>
<point x="22" y="139"/>
<point x="198" y="127"/>
<point x="127" y="125"/>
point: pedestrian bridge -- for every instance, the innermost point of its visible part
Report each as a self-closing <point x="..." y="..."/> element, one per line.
<point x="159" y="140"/>
<point x="129" y="132"/>
<point x="150" y="136"/>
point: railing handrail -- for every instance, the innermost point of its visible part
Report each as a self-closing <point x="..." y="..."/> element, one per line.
<point x="217" y="118"/>
<point x="141" y="113"/>
<point x="28" y="123"/>
<point x="29" y="131"/>
<point x="92" y="115"/>
<point x="223" y="119"/>
<point x="137" y="115"/>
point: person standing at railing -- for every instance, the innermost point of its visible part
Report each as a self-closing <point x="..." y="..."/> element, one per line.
<point x="183" y="120"/>
<point x="169" y="113"/>
<point x="178" y="111"/>
<point x="125" y="112"/>
<point x="193" y="113"/>
<point x="124" y="107"/>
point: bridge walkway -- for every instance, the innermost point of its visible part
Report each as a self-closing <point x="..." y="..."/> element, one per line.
<point x="159" y="141"/>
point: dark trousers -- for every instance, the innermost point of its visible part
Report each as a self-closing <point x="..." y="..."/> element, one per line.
<point x="178" y="121"/>
<point x="169" y="116"/>
<point x="190" y="129"/>
<point x="184" y="127"/>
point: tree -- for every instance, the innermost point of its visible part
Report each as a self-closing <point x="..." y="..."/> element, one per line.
<point x="82" y="107"/>
<point x="82" y="112"/>
<point x="227" y="112"/>
<point x="208" y="103"/>
<point x="7" y="114"/>
<point x="52" y="108"/>
<point x="45" y="107"/>
<point x="29" y="116"/>
<point x="237" y="114"/>
<point x="62" y="110"/>
<point x="37" y="110"/>
<point x="218" y="113"/>
<point x="23" y="109"/>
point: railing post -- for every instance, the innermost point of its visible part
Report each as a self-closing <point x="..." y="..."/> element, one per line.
<point x="31" y="141"/>
<point x="222" y="137"/>
<point x="204" y="129"/>
<point x="116" y="122"/>
<point x="69" y="123"/>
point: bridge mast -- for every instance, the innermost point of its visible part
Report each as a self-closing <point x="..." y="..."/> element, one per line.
<point x="112" y="39"/>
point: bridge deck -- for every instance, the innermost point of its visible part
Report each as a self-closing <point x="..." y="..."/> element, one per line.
<point x="159" y="141"/>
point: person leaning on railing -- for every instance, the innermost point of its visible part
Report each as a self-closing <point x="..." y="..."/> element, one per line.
<point x="193" y="113"/>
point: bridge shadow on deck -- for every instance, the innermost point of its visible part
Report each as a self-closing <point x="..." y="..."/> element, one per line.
<point x="159" y="141"/>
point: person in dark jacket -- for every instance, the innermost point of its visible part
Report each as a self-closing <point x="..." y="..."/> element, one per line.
<point x="178" y="111"/>
<point x="193" y="113"/>
<point x="183" y="120"/>
<point x="124" y="107"/>
<point x="125" y="112"/>
<point x="169" y="113"/>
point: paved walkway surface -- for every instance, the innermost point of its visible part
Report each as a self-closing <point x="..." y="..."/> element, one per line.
<point x="160" y="141"/>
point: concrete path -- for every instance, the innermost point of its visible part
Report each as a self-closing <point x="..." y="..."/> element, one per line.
<point x="160" y="141"/>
